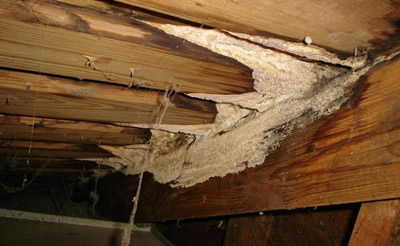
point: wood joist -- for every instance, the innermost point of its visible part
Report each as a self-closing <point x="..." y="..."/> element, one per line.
<point x="68" y="131"/>
<point x="53" y="97"/>
<point x="378" y="223"/>
<point x="58" y="38"/>
<point x="349" y="24"/>
<point x="350" y="156"/>
<point x="50" y="150"/>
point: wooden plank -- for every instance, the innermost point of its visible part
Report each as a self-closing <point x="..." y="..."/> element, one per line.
<point x="58" y="166"/>
<point x="17" y="149"/>
<point x="47" y="96"/>
<point x="56" y="171"/>
<point x="350" y="156"/>
<point x="349" y="24"/>
<point x="378" y="223"/>
<point x="115" y="205"/>
<point x="37" y="162"/>
<point x="111" y="21"/>
<point x="61" y="43"/>
<point x="326" y="226"/>
<point x="248" y="230"/>
<point x="193" y="232"/>
<point x="67" y="131"/>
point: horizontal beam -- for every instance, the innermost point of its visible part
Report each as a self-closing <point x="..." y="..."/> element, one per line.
<point x="56" y="38"/>
<point x="349" y="24"/>
<point x="378" y="223"/>
<point x="12" y="149"/>
<point x="120" y="22"/>
<point x="53" y="97"/>
<point x="37" y="162"/>
<point x="68" y="131"/>
<point x="67" y="220"/>
<point x="350" y="156"/>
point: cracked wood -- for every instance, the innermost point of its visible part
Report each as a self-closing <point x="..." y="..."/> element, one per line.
<point x="61" y="98"/>
<point x="57" y="38"/>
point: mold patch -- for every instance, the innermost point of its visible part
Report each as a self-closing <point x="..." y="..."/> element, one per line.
<point x="290" y="92"/>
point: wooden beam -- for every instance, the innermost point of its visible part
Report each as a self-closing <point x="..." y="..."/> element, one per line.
<point x="18" y="166"/>
<point x="17" y="149"/>
<point x="55" y="38"/>
<point x="113" y="204"/>
<point x="349" y="24"/>
<point x="378" y="223"/>
<point x="116" y="21"/>
<point x="326" y="226"/>
<point x="248" y="230"/>
<point x="350" y="156"/>
<point x="37" y="162"/>
<point x="47" y="96"/>
<point x="67" y="131"/>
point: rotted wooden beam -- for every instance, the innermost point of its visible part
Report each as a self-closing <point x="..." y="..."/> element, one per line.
<point x="350" y="156"/>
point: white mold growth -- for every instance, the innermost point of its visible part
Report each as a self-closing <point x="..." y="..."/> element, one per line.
<point x="163" y="157"/>
<point x="290" y="92"/>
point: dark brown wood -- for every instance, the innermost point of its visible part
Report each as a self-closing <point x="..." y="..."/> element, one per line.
<point x="249" y="230"/>
<point x="378" y="223"/>
<point x="53" y="97"/>
<point x="69" y="40"/>
<point x="67" y="131"/>
<point x="37" y="162"/>
<point x="17" y="149"/>
<point x="349" y="24"/>
<point x="115" y="196"/>
<point x="208" y="232"/>
<point x="322" y="226"/>
<point x="350" y="156"/>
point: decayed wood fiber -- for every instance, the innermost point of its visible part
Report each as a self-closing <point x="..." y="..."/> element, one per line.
<point x="290" y="92"/>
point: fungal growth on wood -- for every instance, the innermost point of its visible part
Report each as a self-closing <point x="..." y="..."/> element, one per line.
<point x="294" y="84"/>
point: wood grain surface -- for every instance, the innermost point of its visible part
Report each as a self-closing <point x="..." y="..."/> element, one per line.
<point x="59" y="40"/>
<point x="338" y="25"/>
<point x="378" y="223"/>
<point x="54" y="97"/>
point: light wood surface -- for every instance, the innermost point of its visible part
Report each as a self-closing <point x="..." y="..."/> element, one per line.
<point x="53" y="97"/>
<point x="378" y="224"/>
<point x="52" y="39"/>
<point x="339" y="25"/>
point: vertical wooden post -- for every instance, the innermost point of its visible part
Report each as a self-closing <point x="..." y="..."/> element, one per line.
<point x="378" y="223"/>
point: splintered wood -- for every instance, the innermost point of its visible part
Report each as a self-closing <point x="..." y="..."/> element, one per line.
<point x="289" y="93"/>
<point x="350" y="156"/>
<point x="262" y="87"/>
